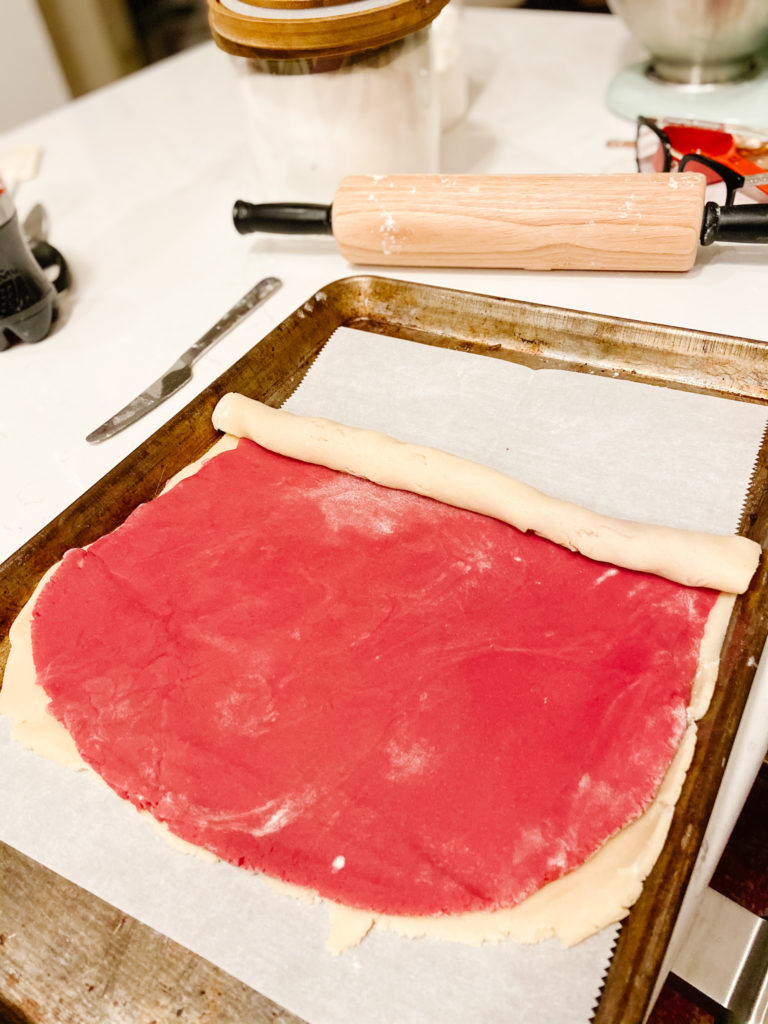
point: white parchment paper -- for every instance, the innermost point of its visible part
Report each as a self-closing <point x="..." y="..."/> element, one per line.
<point x="623" y="448"/>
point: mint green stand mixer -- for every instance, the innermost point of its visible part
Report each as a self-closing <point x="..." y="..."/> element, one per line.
<point x="707" y="61"/>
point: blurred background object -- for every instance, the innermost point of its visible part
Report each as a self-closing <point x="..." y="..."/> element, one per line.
<point x="707" y="59"/>
<point x="698" y="43"/>
<point x="66" y="48"/>
<point x="95" y="40"/>
<point x="27" y="298"/>
<point x="25" y="44"/>
<point x="165" y="27"/>
<point x="61" y="49"/>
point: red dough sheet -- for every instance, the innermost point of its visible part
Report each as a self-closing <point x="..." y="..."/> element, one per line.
<point x="404" y="706"/>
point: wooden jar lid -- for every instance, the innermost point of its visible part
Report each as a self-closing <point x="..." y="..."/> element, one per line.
<point x="285" y="29"/>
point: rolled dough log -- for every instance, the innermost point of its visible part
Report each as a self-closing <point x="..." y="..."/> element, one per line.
<point x="725" y="563"/>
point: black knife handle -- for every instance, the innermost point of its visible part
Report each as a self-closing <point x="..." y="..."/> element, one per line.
<point x="282" y="218"/>
<point x="747" y="222"/>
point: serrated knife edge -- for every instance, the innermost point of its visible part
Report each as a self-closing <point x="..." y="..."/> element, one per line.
<point x="180" y="373"/>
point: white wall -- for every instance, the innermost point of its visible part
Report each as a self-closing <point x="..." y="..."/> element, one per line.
<point x="94" y="39"/>
<point x="31" y="79"/>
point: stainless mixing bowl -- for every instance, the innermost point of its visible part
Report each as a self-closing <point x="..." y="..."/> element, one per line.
<point x="699" y="42"/>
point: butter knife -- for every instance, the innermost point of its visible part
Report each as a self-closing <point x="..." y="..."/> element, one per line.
<point x="181" y="372"/>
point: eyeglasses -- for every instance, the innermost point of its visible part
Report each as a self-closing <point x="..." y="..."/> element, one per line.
<point x="730" y="162"/>
<point x="723" y="183"/>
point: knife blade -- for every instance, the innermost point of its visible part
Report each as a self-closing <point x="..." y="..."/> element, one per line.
<point x="176" y="376"/>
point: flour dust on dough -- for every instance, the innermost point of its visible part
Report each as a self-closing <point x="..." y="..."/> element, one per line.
<point x="571" y="908"/>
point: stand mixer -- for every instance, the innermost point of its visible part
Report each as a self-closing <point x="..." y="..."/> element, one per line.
<point x="708" y="61"/>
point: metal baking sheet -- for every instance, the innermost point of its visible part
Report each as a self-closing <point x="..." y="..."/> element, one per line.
<point x="537" y="336"/>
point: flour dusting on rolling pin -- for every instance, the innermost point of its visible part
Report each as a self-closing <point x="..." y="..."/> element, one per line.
<point x="622" y="222"/>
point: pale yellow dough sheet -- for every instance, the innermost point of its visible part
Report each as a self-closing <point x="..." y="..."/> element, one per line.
<point x="592" y="896"/>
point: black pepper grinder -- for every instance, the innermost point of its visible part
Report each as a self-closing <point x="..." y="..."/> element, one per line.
<point x="28" y="305"/>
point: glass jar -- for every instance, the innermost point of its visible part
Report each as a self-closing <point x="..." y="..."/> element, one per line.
<point x="320" y="106"/>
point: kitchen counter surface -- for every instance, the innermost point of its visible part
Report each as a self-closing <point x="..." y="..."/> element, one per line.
<point x="139" y="180"/>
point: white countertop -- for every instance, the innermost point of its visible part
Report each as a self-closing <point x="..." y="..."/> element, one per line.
<point x="139" y="181"/>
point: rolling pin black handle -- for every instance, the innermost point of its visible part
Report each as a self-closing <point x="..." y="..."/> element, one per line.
<point x="282" y="218"/>
<point x="747" y="222"/>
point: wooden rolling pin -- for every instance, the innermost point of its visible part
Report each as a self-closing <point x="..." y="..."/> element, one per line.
<point x="518" y="221"/>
